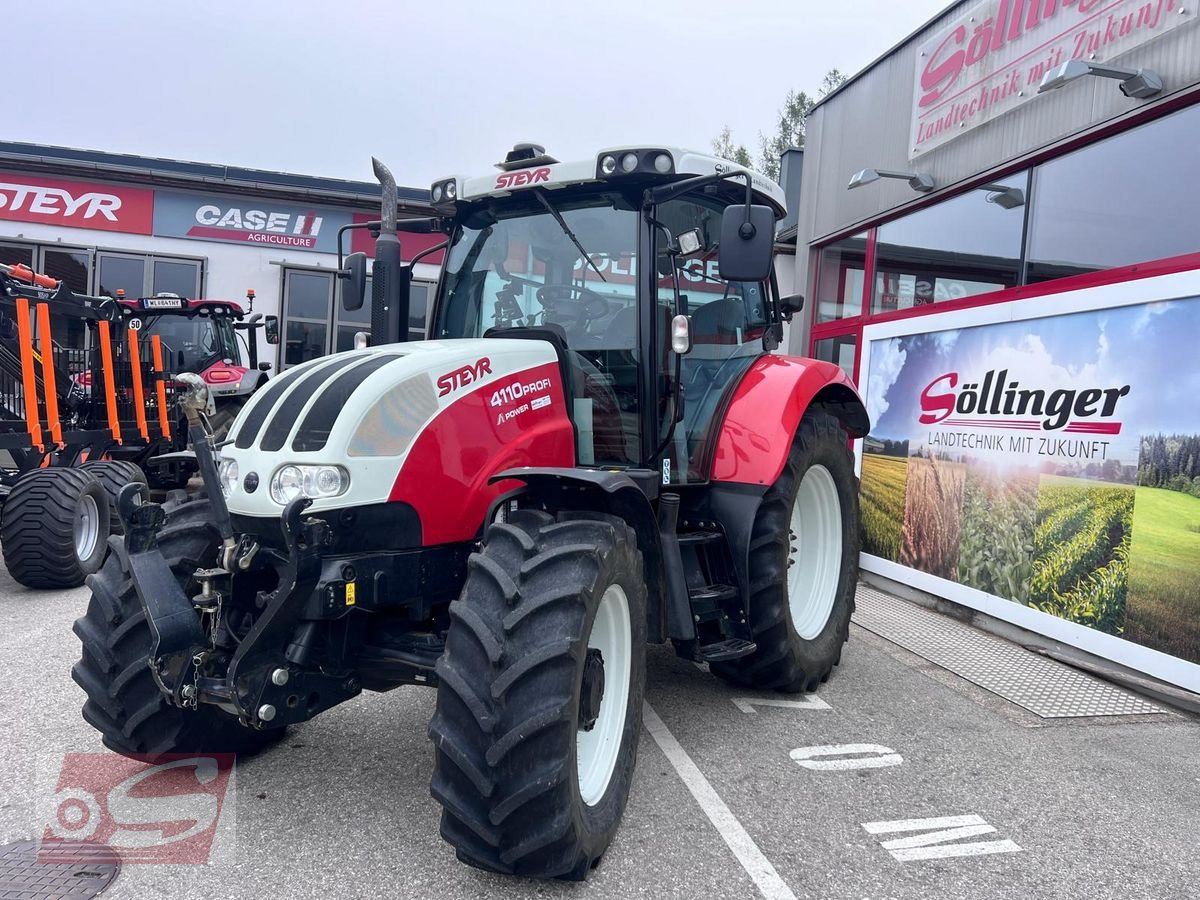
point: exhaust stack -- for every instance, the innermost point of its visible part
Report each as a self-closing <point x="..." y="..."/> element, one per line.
<point x="390" y="278"/>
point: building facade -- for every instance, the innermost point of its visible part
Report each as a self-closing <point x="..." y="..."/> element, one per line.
<point x="104" y="222"/>
<point x="998" y="236"/>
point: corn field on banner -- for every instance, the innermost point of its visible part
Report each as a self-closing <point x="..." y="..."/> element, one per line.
<point x="1052" y="461"/>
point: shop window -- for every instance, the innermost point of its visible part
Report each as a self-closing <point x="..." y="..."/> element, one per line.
<point x="967" y="245"/>
<point x="182" y="278"/>
<point x="12" y="254"/>
<point x="72" y="268"/>
<point x="840" y="278"/>
<point x="125" y="273"/>
<point x="1124" y="200"/>
<point x="841" y="350"/>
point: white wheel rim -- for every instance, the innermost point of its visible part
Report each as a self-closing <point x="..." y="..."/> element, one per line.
<point x="815" y="554"/>
<point x="596" y="751"/>
<point x="87" y="527"/>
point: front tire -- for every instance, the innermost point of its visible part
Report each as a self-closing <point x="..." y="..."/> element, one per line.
<point x="124" y="702"/>
<point x="803" y="565"/>
<point x="539" y="705"/>
<point x="54" y="528"/>
<point x="114" y="474"/>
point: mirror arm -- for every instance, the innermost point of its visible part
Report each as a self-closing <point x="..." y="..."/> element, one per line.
<point x="666" y="192"/>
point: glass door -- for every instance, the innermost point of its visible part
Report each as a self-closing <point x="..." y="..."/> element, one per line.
<point x="307" y="314"/>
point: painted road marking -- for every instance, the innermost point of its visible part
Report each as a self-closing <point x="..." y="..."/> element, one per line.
<point x="855" y="756"/>
<point x="757" y="866"/>
<point x="746" y="704"/>
<point x="938" y="830"/>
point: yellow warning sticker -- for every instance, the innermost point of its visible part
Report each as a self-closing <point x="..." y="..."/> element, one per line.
<point x="350" y="593"/>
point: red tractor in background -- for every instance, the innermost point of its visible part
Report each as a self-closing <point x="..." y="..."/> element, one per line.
<point x="597" y="449"/>
<point x="206" y="337"/>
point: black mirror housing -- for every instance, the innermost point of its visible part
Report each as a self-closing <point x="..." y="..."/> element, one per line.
<point x="271" y="329"/>
<point x="747" y="242"/>
<point x="354" y="281"/>
<point x="264" y="367"/>
<point x="790" y="305"/>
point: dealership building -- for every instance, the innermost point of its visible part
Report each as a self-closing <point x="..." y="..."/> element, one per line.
<point x="1003" y="250"/>
<point x="103" y="222"/>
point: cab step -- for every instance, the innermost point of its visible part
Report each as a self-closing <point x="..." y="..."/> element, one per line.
<point x="696" y="538"/>
<point x="722" y="651"/>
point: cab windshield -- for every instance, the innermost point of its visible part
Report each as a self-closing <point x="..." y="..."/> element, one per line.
<point x="193" y="343"/>
<point x="519" y="265"/>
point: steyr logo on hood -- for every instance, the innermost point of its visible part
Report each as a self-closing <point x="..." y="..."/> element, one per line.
<point x="992" y="402"/>
<point x="452" y="381"/>
<point x="523" y="177"/>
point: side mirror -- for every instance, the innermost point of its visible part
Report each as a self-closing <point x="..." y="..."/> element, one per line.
<point x="790" y="305"/>
<point x="747" y="240"/>
<point x="271" y="329"/>
<point x="264" y="367"/>
<point x="354" y="287"/>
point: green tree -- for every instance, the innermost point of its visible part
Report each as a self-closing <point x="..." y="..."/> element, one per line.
<point x="789" y="128"/>
<point x="793" y="117"/>
<point x="724" y="147"/>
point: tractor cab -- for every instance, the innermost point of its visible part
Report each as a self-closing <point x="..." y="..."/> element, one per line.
<point x="206" y="337"/>
<point x="648" y="268"/>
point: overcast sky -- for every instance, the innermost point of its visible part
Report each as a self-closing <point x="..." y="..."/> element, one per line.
<point x="433" y="88"/>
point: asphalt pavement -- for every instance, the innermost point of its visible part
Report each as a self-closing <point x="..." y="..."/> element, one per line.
<point x="901" y="780"/>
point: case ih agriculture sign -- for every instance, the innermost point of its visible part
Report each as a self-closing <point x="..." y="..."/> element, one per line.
<point x="75" y="204"/>
<point x="992" y="59"/>
<point x="241" y="220"/>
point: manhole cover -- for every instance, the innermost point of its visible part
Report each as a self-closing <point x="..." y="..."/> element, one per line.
<point x="62" y="870"/>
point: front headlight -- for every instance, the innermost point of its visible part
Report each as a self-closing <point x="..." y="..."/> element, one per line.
<point x="227" y="473"/>
<point x="314" y="482"/>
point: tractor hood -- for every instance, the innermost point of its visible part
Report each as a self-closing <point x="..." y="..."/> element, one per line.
<point x="425" y="423"/>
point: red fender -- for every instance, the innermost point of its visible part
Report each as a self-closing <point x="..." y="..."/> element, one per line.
<point x="766" y="409"/>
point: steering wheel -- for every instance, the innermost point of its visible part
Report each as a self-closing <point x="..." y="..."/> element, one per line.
<point x="579" y="305"/>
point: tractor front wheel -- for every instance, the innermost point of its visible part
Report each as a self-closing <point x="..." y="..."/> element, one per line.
<point x="539" y="704"/>
<point x="124" y="702"/>
<point x="803" y="565"/>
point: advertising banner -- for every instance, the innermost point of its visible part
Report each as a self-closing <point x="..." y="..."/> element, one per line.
<point x="75" y="204"/>
<point x="992" y="58"/>
<point x="269" y="223"/>
<point x="1046" y="454"/>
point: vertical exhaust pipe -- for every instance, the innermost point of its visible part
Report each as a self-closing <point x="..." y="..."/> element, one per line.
<point x="390" y="278"/>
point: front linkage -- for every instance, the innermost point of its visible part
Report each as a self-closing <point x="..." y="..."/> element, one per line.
<point x="196" y="656"/>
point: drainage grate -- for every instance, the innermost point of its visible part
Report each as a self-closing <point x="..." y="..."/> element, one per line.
<point x="1042" y="686"/>
<point x="61" y="870"/>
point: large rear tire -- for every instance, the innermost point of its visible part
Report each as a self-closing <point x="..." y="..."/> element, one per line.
<point x="540" y="689"/>
<point x="114" y="474"/>
<point x="54" y="528"/>
<point x="803" y="565"/>
<point x="124" y="702"/>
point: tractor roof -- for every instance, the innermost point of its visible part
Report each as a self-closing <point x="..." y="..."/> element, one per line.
<point x="528" y="166"/>
<point x="163" y="304"/>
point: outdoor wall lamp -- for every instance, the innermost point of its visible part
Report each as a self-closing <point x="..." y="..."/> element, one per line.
<point x="918" y="181"/>
<point x="1004" y="195"/>
<point x="1136" y="83"/>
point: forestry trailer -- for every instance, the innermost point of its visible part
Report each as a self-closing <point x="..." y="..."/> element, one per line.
<point x="596" y="449"/>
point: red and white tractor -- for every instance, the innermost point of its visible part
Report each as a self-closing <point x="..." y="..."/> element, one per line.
<point x="596" y="449"/>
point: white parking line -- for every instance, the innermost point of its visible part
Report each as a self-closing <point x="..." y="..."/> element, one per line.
<point x="757" y="866"/>
<point x="855" y="756"/>
<point x="747" y="704"/>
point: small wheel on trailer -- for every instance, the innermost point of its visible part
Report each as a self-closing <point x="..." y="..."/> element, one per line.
<point x="124" y="702"/>
<point x="540" y="689"/>
<point x="803" y="565"/>
<point x="54" y="528"/>
<point x="114" y="474"/>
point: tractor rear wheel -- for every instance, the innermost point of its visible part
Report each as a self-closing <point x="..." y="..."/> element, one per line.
<point x="227" y="411"/>
<point x="54" y="528"/>
<point x="803" y="565"/>
<point x="124" y="702"/>
<point x="540" y="689"/>
<point x="114" y="474"/>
